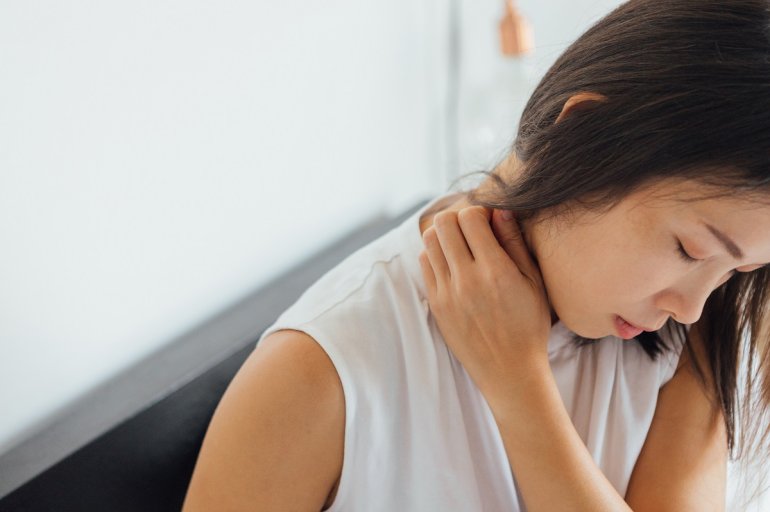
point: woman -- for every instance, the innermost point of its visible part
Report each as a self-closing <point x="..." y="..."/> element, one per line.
<point x="566" y="336"/>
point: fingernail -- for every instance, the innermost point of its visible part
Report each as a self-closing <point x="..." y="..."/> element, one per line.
<point x="507" y="214"/>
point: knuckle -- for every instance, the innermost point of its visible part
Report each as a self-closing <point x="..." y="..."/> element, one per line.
<point x="466" y="214"/>
<point x="492" y="276"/>
<point x="474" y="215"/>
<point x="444" y="218"/>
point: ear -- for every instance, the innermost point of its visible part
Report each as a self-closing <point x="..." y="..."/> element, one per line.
<point x="580" y="101"/>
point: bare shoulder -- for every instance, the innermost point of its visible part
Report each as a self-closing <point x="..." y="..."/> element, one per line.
<point x="276" y="439"/>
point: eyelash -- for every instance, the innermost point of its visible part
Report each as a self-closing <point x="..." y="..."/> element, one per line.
<point x="686" y="257"/>
<point x="689" y="259"/>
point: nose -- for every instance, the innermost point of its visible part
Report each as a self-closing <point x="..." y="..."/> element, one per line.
<point x="685" y="303"/>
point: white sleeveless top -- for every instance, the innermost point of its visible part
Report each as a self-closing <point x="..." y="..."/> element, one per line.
<point x="419" y="435"/>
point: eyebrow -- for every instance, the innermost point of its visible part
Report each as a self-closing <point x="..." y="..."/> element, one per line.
<point x="726" y="241"/>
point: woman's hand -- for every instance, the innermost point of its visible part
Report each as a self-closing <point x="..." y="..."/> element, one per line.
<point x="486" y="294"/>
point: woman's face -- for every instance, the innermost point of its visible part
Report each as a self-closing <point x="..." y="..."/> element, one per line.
<point x="627" y="262"/>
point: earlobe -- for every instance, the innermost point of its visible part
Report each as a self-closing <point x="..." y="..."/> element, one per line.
<point x="580" y="101"/>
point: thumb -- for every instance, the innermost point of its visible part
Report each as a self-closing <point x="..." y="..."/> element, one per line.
<point x="510" y="238"/>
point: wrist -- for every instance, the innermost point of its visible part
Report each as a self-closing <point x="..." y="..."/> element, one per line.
<point x="519" y="383"/>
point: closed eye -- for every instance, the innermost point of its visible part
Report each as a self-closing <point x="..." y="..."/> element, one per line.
<point x="683" y="253"/>
<point x="689" y="259"/>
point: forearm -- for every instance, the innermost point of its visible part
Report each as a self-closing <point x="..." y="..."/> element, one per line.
<point x="553" y="468"/>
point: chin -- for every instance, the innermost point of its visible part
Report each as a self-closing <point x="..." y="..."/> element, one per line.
<point x="584" y="331"/>
<point x="591" y="335"/>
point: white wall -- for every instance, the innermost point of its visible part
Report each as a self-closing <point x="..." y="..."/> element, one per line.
<point x="161" y="159"/>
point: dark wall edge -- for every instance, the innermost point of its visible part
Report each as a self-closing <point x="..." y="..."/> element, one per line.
<point x="175" y="364"/>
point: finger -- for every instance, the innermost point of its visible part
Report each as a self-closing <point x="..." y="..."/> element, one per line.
<point x="474" y="222"/>
<point x="510" y="238"/>
<point x="427" y="273"/>
<point x="452" y="241"/>
<point x="435" y="255"/>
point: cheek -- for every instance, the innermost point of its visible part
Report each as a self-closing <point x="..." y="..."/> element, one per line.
<point x="569" y="278"/>
<point x="610" y="277"/>
<point x="631" y="277"/>
<point x="604" y="264"/>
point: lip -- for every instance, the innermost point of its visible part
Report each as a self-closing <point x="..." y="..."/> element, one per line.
<point x="648" y="329"/>
<point x="626" y="329"/>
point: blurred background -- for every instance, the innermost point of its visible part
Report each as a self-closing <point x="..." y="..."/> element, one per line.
<point x="162" y="160"/>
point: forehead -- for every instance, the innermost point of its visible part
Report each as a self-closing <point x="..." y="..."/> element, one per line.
<point x="688" y="202"/>
<point x="692" y="206"/>
<point x="694" y="196"/>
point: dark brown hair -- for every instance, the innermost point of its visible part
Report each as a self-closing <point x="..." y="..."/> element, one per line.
<point x="687" y="96"/>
